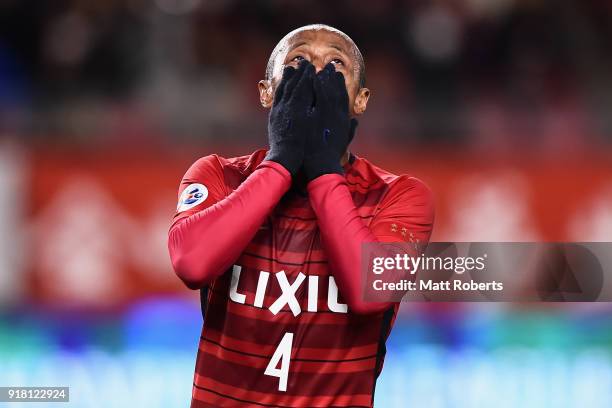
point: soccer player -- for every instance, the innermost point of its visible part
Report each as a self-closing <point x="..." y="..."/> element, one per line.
<point x="273" y="241"/>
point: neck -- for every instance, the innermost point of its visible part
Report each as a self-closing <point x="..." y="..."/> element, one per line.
<point x="345" y="158"/>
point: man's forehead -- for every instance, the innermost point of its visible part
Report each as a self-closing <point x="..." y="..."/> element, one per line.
<point x="310" y="36"/>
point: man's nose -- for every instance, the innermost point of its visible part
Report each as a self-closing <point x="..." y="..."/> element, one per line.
<point x="318" y="63"/>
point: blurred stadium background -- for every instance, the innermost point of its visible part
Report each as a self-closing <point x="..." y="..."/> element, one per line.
<point x="504" y="107"/>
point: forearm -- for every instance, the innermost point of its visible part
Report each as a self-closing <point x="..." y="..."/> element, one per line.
<point x="203" y="245"/>
<point x="343" y="232"/>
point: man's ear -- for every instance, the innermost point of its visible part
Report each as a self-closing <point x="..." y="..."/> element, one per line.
<point x="361" y="101"/>
<point x="266" y="93"/>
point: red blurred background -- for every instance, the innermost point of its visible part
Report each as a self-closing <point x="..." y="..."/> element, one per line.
<point x="97" y="221"/>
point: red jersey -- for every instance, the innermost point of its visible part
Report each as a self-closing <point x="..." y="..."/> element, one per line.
<point x="277" y="330"/>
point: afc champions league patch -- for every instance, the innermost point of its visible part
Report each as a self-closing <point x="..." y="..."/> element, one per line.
<point x="193" y="195"/>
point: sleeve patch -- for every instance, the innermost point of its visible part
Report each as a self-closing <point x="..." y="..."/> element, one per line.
<point x="193" y="195"/>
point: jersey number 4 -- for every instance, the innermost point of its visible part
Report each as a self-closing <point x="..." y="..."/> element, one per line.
<point x="282" y="354"/>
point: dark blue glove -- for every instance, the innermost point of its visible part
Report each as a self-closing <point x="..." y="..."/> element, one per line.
<point x="290" y="120"/>
<point x="334" y="128"/>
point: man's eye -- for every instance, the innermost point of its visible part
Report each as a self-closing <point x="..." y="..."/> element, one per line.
<point x="297" y="58"/>
<point x="337" y="61"/>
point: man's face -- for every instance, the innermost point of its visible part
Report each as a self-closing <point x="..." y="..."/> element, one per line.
<point x="320" y="47"/>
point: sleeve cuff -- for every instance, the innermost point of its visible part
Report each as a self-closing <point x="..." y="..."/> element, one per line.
<point x="275" y="166"/>
<point x="329" y="180"/>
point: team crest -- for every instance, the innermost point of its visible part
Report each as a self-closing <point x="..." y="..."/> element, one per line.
<point x="193" y="195"/>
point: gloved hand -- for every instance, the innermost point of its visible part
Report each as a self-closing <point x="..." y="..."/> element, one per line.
<point x="290" y="119"/>
<point x="334" y="128"/>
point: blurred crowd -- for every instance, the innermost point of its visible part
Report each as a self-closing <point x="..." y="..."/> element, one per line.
<point x="492" y="74"/>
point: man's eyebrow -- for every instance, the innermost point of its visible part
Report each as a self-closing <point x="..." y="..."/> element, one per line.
<point x="338" y="47"/>
<point x="297" y="45"/>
